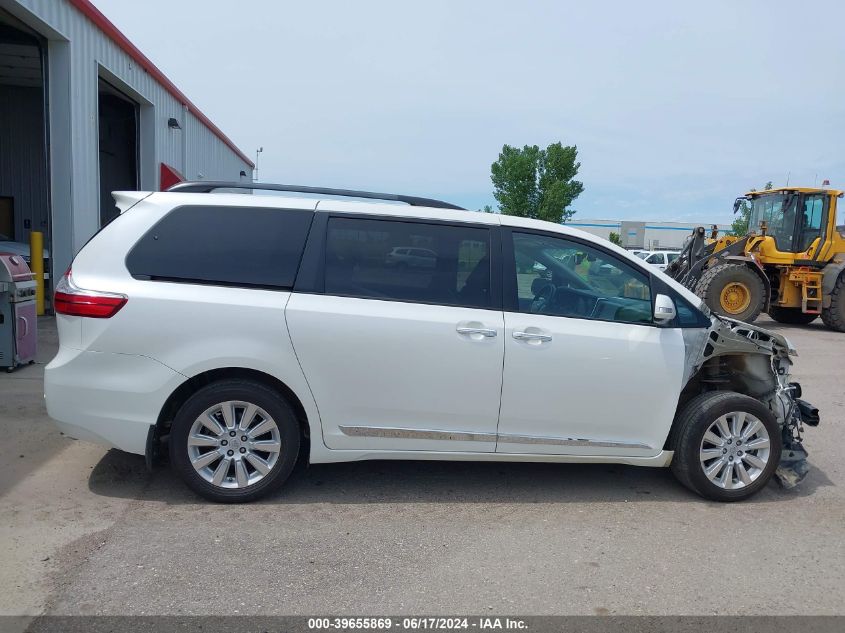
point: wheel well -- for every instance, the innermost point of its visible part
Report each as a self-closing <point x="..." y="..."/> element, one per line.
<point x="175" y="401"/>
<point x="745" y="374"/>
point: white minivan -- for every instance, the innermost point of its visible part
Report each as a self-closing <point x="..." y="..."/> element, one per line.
<point x="248" y="332"/>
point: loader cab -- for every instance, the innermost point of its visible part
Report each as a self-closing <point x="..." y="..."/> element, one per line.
<point x="793" y="218"/>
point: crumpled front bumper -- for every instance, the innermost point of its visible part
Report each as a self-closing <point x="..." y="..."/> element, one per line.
<point x="793" y="466"/>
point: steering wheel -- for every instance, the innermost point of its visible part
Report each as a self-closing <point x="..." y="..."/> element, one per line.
<point x="544" y="299"/>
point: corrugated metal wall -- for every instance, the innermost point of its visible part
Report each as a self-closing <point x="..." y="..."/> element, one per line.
<point x="23" y="168"/>
<point x="93" y="55"/>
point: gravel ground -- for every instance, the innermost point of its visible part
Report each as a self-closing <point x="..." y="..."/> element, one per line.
<point x="89" y="531"/>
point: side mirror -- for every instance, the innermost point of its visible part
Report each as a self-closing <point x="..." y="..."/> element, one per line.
<point x="664" y="309"/>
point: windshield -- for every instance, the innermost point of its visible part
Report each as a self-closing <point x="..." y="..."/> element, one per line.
<point x="778" y="212"/>
<point x="793" y="220"/>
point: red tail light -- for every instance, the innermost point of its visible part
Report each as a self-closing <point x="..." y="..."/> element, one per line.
<point x="74" y="301"/>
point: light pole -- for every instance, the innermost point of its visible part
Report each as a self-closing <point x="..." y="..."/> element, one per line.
<point x="255" y="171"/>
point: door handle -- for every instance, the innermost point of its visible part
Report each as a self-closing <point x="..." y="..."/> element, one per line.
<point x="532" y="336"/>
<point x="483" y="331"/>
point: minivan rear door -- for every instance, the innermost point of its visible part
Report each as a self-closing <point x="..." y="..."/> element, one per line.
<point x="401" y="353"/>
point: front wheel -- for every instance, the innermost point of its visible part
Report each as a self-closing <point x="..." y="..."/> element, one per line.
<point x="234" y="441"/>
<point x="733" y="290"/>
<point x="727" y="446"/>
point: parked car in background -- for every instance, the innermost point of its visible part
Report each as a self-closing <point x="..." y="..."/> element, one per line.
<point x="411" y="257"/>
<point x="8" y="245"/>
<point x="249" y="334"/>
<point x="661" y="259"/>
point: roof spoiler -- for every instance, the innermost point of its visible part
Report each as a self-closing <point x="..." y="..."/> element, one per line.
<point x="209" y="186"/>
<point x="125" y="200"/>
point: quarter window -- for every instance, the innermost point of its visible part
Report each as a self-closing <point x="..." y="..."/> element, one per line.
<point x="239" y="246"/>
<point x="559" y="277"/>
<point x="408" y="261"/>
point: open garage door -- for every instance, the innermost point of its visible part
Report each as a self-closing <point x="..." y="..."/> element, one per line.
<point x="118" y="132"/>
<point x="24" y="183"/>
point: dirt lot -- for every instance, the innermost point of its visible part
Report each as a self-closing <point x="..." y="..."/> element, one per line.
<point x="89" y="531"/>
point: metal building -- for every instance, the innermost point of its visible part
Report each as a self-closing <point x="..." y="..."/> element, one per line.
<point x="82" y="113"/>
<point x="648" y="235"/>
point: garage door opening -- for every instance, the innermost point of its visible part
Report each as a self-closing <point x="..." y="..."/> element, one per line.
<point x="118" y="132"/>
<point x="24" y="184"/>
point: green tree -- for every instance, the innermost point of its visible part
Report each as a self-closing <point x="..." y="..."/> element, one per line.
<point x="739" y="226"/>
<point x="615" y="238"/>
<point x="537" y="183"/>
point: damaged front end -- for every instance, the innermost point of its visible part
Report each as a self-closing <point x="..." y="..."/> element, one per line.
<point x="735" y="356"/>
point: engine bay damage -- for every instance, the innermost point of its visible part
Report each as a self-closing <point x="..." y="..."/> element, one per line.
<point x="735" y="356"/>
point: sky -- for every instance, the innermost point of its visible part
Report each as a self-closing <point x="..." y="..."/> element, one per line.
<point x="675" y="107"/>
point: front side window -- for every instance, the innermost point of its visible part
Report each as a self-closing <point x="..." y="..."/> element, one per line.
<point x="558" y="277"/>
<point x="655" y="258"/>
<point x="408" y="261"/>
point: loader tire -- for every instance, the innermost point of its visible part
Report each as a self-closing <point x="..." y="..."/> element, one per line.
<point x="834" y="315"/>
<point x="733" y="290"/>
<point x="793" y="316"/>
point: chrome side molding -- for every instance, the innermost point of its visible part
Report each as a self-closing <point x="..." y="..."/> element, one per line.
<point x="469" y="436"/>
<point x="567" y="441"/>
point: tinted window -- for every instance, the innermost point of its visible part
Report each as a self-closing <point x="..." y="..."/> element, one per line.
<point x="656" y="258"/>
<point x="408" y="261"/>
<point x="689" y="316"/>
<point x="227" y="245"/>
<point x="575" y="280"/>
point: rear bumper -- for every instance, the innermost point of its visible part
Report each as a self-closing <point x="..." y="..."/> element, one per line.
<point x="110" y="399"/>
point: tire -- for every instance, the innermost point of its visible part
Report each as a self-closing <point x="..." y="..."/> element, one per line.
<point x="239" y="480"/>
<point x="834" y="316"/>
<point x="792" y="316"/>
<point x="697" y="420"/>
<point x="718" y="278"/>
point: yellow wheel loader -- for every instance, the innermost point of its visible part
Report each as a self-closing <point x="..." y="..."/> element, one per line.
<point x="790" y="264"/>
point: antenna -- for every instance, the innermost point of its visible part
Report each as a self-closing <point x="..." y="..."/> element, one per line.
<point x="788" y="174"/>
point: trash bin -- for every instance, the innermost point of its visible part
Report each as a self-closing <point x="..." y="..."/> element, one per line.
<point x="18" y="321"/>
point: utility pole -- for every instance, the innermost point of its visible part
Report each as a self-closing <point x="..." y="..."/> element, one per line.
<point x="255" y="170"/>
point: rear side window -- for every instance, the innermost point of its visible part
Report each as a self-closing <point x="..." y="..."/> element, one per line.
<point x="238" y="246"/>
<point x="408" y="261"/>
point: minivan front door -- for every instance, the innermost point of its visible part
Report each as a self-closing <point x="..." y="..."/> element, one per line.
<point x="403" y="353"/>
<point x="586" y="372"/>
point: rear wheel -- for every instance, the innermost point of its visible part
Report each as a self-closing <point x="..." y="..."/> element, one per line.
<point x="234" y="441"/>
<point x="727" y="446"/>
<point x="791" y="315"/>
<point x="733" y="290"/>
<point x="834" y="315"/>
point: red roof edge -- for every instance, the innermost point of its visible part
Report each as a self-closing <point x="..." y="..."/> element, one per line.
<point x="106" y="26"/>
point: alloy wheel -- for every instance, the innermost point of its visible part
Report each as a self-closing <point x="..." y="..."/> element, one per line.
<point x="735" y="450"/>
<point x="234" y="444"/>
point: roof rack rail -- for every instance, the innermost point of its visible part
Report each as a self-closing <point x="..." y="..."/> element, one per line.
<point x="209" y="186"/>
